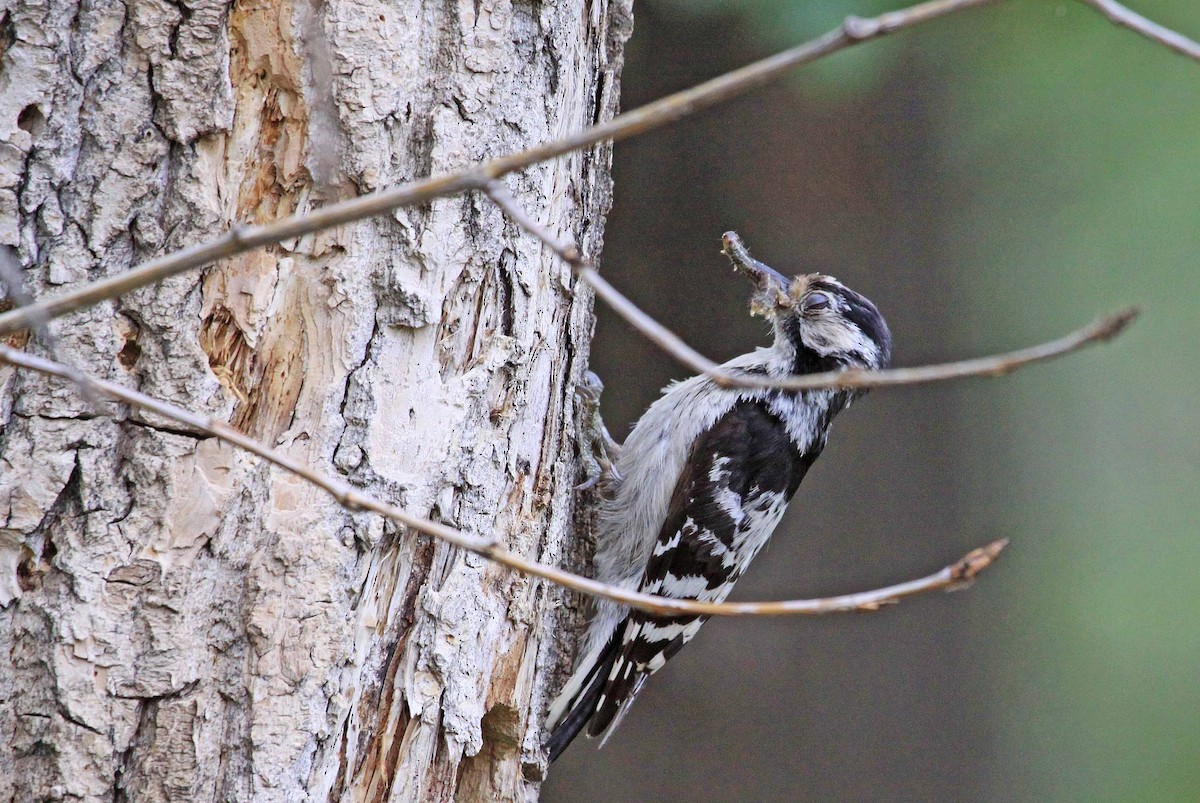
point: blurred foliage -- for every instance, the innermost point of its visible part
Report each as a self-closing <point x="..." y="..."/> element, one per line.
<point x="1073" y="149"/>
<point x="780" y="24"/>
<point x="1077" y="156"/>
<point x="995" y="178"/>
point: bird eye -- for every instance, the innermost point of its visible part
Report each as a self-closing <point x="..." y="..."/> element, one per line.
<point x="816" y="301"/>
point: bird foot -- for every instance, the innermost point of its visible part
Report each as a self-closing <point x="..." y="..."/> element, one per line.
<point x="598" y="450"/>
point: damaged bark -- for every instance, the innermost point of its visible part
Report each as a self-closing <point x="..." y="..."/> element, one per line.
<point x="178" y="620"/>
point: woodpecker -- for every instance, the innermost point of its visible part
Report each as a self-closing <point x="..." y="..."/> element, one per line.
<point x="703" y="480"/>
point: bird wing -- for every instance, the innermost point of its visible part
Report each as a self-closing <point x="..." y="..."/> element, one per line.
<point x="731" y="495"/>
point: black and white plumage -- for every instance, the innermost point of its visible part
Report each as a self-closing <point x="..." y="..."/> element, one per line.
<point x="706" y="475"/>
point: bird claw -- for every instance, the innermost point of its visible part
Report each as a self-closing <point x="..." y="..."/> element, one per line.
<point x="598" y="450"/>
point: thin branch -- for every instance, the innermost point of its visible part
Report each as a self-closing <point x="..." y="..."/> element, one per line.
<point x="1104" y="328"/>
<point x="957" y="575"/>
<point x="654" y="331"/>
<point x="567" y="251"/>
<point x="638" y="121"/>
<point x="1120" y="15"/>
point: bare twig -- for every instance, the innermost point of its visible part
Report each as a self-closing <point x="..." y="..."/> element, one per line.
<point x="648" y="117"/>
<point x="654" y="331"/>
<point x="954" y="576"/>
<point x="1104" y="328"/>
<point x="566" y="250"/>
<point x="1120" y="15"/>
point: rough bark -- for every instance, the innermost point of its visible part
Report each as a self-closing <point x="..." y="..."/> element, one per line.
<point x="180" y="621"/>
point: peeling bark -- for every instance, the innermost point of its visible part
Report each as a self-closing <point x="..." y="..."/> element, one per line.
<point x="179" y="621"/>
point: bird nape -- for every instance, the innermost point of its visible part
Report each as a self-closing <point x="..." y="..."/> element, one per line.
<point x="703" y="480"/>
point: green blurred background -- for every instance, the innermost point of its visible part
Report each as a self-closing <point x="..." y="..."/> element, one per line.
<point x="991" y="180"/>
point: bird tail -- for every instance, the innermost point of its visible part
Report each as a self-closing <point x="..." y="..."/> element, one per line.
<point x="577" y="701"/>
<point x="614" y="703"/>
<point x="625" y="678"/>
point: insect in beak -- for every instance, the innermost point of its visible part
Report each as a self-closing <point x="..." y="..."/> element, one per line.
<point x="771" y="285"/>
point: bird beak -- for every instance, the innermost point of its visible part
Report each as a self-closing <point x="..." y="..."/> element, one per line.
<point x="770" y="283"/>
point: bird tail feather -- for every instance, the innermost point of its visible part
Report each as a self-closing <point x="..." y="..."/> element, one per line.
<point x="577" y="701"/>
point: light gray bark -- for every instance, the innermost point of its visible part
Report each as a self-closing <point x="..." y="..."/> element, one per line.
<point x="178" y="620"/>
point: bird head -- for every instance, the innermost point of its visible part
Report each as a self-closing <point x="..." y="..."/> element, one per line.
<point x="826" y="324"/>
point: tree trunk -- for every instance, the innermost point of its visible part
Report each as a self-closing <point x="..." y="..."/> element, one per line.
<point x="181" y="621"/>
